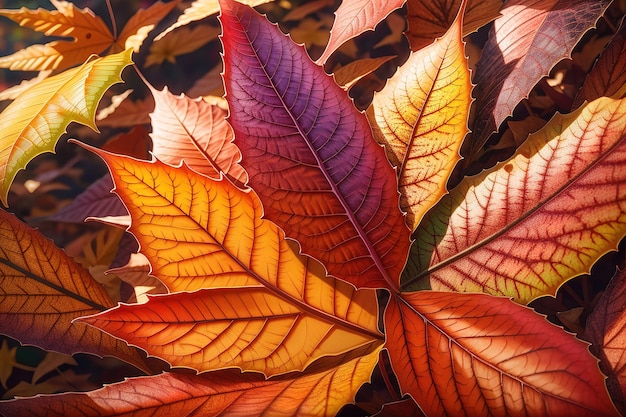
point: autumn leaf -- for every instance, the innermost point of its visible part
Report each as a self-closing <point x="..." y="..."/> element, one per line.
<point x="421" y="117"/>
<point x="524" y="44"/>
<point x="181" y="42"/>
<point x="310" y="154"/>
<point x="197" y="132"/>
<point x="465" y="355"/>
<point x="200" y="9"/>
<point x="33" y="123"/>
<point x="141" y="24"/>
<point x="351" y="73"/>
<point x="354" y="17"/>
<point x="533" y="222"/>
<point x="43" y="291"/>
<point x="608" y="76"/>
<point x="289" y="314"/>
<point x="88" y="32"/>
<point x="224" y="393"/>
<point x="606" y="329"/>
<point x="429" y="20"/>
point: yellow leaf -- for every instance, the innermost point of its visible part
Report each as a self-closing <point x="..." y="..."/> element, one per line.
<point x="421" y="116"/>
<point x="182" y="42"/>
<point x="88" y="32"/>
<point x="32" y="124"/>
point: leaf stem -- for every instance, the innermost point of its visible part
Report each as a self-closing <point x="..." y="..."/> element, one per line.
<point x="112" y="16"/>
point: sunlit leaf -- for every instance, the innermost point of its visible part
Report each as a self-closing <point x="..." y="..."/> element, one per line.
<point x="421" y="117"/>
<point x="196" y="132"/>
<point x="351" y="73"/>
<point x="88" y="32"/>
<point x="33" y="123"/>
<point x="314" y="394"/>
<point x="211" y="235"/>
<point x="531" y="223"/>
<point x="474" y="354"/>
<point x="310" y="155"/>
<point x="430" y="19"/>
<point x="524" y="44"/>
<point x="141" y="24"/>
<point x="42" y="290"/>
<point x="200" y="9"/>
<point x="354" y="17"/>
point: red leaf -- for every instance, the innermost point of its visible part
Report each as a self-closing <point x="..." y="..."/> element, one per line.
<point x="310" y="154"/>
<point x="474" y="354"/>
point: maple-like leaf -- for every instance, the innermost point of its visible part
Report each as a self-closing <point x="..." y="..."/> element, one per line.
<point x="531" y="223"/>
<point x="318" y="393"/>
<point x="181" y="42"/>
<point x="421" y="117"/>
<point x="33" y="123"/>
<point x="43" y="290"/>
<point x="429" y="20"/>
<point x="351" y="73"/>
<point x="141" y="24"/>
<point x="524" y="44"/>
<point x="289" y="312"/>
<point x="200" y="9"/>
<point x="89" y="36"/>
<point x="606" y="329"/>
<point x="354" y="17"/>
<point x="195" y="131"/>
<point x="310" y="154"/>
<point x="474" y="355"/>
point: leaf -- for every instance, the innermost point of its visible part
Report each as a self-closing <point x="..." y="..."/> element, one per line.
<point x="136" y="273"/>
<point x="524" y="44"/>
<point x="606" y="329"/>
<point x="421" y="117"/>
<point x="88" y="32"/>
<point x="354" y="17"/>
<point x="537" y="220"/>
<point x="8" y="362"/>
<point x="608" y="76"/>
<point x="351" y="73"/>
<point x="12" y="93"/>
<point x="310" y="155"/>
<point x="37" y="118"/>
<point x="464" y="355"/>
<point x="66" y="381"/>
<point x="128" y="113"/>
<point x="211" y="235"/>
<point x="200" y="9"/>
<point x="141" y="24"/>
<point x="196" y="132"/>
<point x="430" y="19"/>
<point x="222" y="393"/>
<point x="52" y="361"/>
<point x="42" y="291"/>
<point x="182" y="42"/>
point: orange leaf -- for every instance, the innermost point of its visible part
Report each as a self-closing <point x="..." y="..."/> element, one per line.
<point x="182" y="42"/>
<point x="141" y="24"/>
<point x="430" y="19"/>
<point x="474" y="354"/>
<point x="421" y="117"/>
<point x="537" y="220"/>
<point x="43" y="290"/>
<point x="196" y="132"/>
<point x="88" y="32"/>
<point x="349" y="74"/>
<point x="225" y="393"/>
<point x="209" y="234"/>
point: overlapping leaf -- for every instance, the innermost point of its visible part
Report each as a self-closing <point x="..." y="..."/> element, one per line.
<point x="314" y="394"/>
<point x="42" y="290"/>
<point x="474" y="354"/>
<point x="421" y="117"/>
<point x="197" y="132"/>
<point x="431" y="19"/>
<point x="209" y="234"/>
<point x="546" y="215"/>
<point x="310" y="154"/>
<point x="528" y="39"/>
<point x="141" y="24"/>
<point x="354" y="17"/>
<point x="33" y="123"/>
